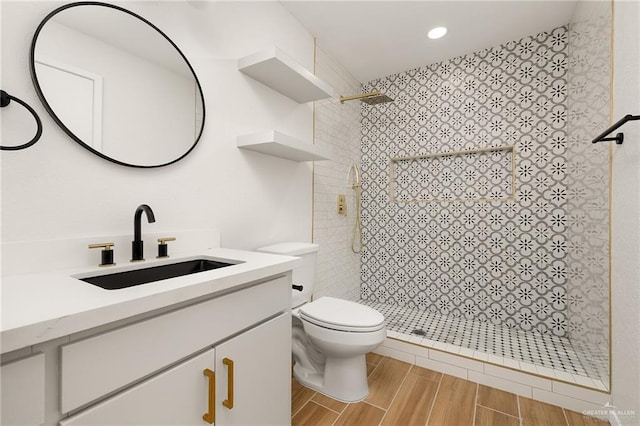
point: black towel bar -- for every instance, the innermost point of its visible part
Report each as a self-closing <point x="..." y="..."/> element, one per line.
<point x="618" y="137"/>
<point x="5" y="99"/>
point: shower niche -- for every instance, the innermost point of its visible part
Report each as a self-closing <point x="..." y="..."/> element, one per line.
<point x="476" y="175"/>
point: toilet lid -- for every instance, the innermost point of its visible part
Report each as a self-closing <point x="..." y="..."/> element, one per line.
<point x="342" y="315"/>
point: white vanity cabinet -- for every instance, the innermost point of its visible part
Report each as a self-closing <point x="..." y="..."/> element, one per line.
<point x="261" y="379"/>
<point x="242" y="381"/>
<point x="223" y="358"/>
<point x="22" y="391"/>
<point x="177" y="396"/>
<point x="202" y="348"/>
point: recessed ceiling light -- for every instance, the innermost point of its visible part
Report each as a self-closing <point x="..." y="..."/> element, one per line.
<point x="437" y="32"/>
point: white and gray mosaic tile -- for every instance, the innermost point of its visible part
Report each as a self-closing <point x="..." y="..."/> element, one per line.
<point x="549" y="351"/>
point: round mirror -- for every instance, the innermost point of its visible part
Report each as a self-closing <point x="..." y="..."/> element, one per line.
<point x="117" y="85"/>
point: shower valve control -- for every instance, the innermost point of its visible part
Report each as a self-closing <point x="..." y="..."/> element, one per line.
<point x="342" y="204"/>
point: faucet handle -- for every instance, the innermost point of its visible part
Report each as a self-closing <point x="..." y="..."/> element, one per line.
<point x="107" y="253"/>
<point x="163" y="250"/>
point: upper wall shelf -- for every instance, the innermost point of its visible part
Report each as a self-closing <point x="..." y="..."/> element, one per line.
<point x="277" y="70"/>
<point x="278" y="144"/>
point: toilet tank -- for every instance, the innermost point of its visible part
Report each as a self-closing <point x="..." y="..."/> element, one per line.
<point x="303" y="275"/>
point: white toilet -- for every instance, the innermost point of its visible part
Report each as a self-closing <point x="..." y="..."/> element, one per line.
<point x="330" y="336"/>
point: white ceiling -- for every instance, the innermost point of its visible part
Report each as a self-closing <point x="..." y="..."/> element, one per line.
<point x="374" y="39"/>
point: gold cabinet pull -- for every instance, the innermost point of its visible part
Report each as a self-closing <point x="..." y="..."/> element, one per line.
<point x="210" y="415"/>
<point x="229" y="401"/>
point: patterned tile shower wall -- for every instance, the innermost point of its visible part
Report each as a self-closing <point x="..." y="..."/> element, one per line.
<point x="502" y="261"/>
<point x="588" y="104"/>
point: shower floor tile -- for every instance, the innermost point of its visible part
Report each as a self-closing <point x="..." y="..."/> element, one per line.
<point x="547" y="355"/>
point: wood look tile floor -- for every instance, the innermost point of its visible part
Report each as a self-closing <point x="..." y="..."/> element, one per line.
<point x="405" y="395"/>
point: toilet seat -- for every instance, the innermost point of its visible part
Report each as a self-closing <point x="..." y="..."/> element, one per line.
<point x="342" y="315"/>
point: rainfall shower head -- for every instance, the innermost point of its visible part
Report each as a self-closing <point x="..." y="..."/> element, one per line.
<point x="371" y="98"/>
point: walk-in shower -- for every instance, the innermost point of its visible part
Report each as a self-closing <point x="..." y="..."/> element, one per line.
<point x="485" y="205"/>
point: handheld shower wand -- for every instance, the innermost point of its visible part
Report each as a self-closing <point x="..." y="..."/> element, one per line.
<point x="357" y="227"/>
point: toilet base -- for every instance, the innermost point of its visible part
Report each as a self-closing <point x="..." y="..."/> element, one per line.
<point x="344" y="379"/>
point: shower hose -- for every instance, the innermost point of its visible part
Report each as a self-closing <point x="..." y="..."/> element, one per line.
<point x="357" y="227"/>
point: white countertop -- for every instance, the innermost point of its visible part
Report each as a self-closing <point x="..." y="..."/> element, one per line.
<point x="44" y="306"/>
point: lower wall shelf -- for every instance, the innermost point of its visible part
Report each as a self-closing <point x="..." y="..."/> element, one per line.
<point x="272" y="142"/>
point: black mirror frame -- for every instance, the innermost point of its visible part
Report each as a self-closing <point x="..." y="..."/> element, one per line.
<point x="55" y="118"/>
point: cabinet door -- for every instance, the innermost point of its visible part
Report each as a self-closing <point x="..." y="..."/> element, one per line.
<point x="22" y="391"/>
<point x="178" y="396"/>
<point x="261" y="379"/>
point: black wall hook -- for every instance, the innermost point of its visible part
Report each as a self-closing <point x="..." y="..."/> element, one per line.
<point x="619" y="138"/>
<point x="5" y="99"/>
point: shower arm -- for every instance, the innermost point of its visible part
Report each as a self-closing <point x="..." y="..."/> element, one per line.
<point x="343" y="99"/>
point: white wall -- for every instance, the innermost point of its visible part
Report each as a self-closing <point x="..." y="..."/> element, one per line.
<point x="58" y="190"/>
<point x="625" y="285"/>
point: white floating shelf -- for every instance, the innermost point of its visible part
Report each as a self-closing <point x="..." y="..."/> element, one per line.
<point x="278" y="144"/>
<point x="277" y="70"/>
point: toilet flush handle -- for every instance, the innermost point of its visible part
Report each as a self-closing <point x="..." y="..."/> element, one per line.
<point x="297" y="287"/>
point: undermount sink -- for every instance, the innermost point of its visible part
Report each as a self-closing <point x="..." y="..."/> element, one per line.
<point x="125" y="279"/>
